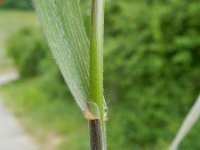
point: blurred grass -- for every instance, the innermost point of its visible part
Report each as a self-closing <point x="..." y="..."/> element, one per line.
<point x="55" y="123"/>
<point x="11" y="21"/>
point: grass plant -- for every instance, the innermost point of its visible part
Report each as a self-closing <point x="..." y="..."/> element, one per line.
<point x="80" y="62"/>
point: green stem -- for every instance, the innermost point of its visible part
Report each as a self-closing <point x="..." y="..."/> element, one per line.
<point x="97" y="135"/>
<point x="96" y="54"/>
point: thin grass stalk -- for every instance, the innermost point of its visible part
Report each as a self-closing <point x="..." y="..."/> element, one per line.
<point x="188" y="123"/>
<point x="97" y="132"/>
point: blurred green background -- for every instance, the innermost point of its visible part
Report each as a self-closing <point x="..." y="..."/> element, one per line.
<point x="151" y="72"/>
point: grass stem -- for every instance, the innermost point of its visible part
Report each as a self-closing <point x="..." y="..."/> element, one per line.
<point x="97" y="134"/>
<point x="96" y="137"/>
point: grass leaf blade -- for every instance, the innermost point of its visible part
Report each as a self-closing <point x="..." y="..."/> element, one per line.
<point x="62" y="24"/>
<point x="187" y="124"/>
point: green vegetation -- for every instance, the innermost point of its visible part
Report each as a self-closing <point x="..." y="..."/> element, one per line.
<point x="11" y="22"/>
<point x="83" y="73"/>
<point x="27" y="52"/>
<point x="96" y="75"/>
<point x="41" y="105"/>
<point x="19" y="4"/>
<point x="152" y="54"/>
<point x="96" y="54"/>
<point x="151" y="68"/>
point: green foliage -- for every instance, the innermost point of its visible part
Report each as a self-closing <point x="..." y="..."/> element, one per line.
<point x="17" y="4"/>
<point x="41" y="103"/>
<point x="159" y="46"/>
<point x="28" y="49"/>
<point x="151" y="72"/>
<point x="152" y="66"/>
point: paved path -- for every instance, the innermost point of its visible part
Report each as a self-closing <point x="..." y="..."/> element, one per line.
<point x="12" y="136"/>
<point x="8" y="77"/>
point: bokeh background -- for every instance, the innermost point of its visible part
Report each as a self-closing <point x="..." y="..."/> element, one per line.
<point x="151" y="72"/>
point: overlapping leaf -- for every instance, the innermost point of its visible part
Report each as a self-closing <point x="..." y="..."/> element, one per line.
<point x="63" y="26"/>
